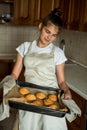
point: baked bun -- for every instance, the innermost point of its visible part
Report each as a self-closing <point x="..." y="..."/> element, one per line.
<point x="38" y="102"/>
<point x="53" y="97"/>
<point x="40" y="95"/>
<point x="54" y="106"/>
<point x="64" y="109"/>
<point x="48" y="102"/>
<point x="30" y="97"/>
<point x="24" y="91"/>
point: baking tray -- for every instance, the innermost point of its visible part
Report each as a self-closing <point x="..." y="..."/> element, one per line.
<point x="33" y="108"/>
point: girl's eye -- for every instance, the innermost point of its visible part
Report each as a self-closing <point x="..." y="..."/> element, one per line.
<point x="47" y="31"/>
<point x="55" y="35"/>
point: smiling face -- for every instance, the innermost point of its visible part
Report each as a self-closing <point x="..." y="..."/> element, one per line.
<point x="47" y="34"/>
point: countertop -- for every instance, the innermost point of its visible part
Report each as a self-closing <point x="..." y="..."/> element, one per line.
<point x="76" y="78"/>
<point x="8" y="58"/>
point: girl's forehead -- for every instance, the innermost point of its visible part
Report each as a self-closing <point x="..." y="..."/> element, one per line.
<point x="52" y="27"/>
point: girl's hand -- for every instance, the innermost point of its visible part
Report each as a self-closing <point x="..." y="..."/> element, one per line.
<point x="67" y="94"/>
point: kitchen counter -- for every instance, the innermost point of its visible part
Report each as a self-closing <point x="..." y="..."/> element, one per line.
<point x="76" y="78"/>
<point x="7" y="58"/>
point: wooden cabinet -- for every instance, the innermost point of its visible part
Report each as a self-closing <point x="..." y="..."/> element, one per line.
<point x="80" y="122"/>
<point x="64" y="6"/>
<point x="24" y="12"/>
<point x="1" y="94"/>
<point x="5" y="68"/>
<point x="43" y="8"/>
<point x="31" y="12"/>
<point x="6" y="11"/>
<point x="77" y="19"/>
<point x="74" y="14"/>
<point x="7" y="1"/>
<point x="83" y="16"/>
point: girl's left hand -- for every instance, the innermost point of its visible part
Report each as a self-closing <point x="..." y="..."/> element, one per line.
<point x="67" y="94"/>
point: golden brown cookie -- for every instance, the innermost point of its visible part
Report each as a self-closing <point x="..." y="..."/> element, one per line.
<point x="30" y="97"/>
<point x="24" y="91"/>
<point x="54" y="106"/>
<point x="48" y="102"/>
<point x="53" y="97"/>
<point x="38" y="102"/>
<point x="40" y="95"/>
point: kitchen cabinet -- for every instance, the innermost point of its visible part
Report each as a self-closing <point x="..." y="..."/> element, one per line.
<point x="74" y="14"/>
<point x="77" y="19"/>
<point x="83" y="15"/>
<point x="64" y="6"/>
<point x="1" y="94"/>
<point x="43" y="8"/>
<point x="5" y="68"/>
<point x="6" y="11"/>
<point x="80" y="122"/>
<point x="7" y="1"/>
<point x="31" y="12"/>
<point x="24" y="12"/>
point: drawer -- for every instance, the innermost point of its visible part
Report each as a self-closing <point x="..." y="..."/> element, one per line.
<point x="1" y="95"/>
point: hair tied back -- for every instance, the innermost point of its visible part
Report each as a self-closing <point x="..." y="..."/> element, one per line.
<point x="57" y="12"/>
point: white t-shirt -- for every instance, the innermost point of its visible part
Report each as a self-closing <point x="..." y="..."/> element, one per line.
<point x="59" y="56"/>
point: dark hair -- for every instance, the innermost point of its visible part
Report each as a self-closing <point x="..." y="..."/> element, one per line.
<point x="54" y="18"/>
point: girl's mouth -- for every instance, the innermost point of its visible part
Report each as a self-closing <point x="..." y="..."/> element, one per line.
<point x="47" y="40"/>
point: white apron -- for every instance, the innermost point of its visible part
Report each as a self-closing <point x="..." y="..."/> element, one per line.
<point x="40" y="69"/>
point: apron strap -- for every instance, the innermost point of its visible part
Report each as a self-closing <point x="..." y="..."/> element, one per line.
<point x="29" y="49"/>
<point x="52" y="52"/>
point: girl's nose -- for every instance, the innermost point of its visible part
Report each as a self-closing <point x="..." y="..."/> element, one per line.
<point x="49" y="37"/>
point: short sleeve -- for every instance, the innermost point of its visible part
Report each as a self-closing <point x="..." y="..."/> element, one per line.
<point x="59" y="56"/>
<point x="23" y="48"/>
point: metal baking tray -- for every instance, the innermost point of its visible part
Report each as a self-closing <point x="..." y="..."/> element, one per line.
<point x="33" y="108"/>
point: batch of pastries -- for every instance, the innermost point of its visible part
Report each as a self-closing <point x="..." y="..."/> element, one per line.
<point x="39" y="98"/>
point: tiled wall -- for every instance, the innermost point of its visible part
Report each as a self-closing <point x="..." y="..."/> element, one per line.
<point x="76" y="45"/>
<point x="12" y="36"/>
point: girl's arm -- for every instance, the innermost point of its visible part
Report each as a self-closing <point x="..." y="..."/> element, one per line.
<point x="61" y="80"/>
<point x="17" y="67"/>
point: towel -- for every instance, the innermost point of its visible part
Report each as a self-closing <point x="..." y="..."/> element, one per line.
<point x="74" y="109"/>
<point x="7" y="84"/>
